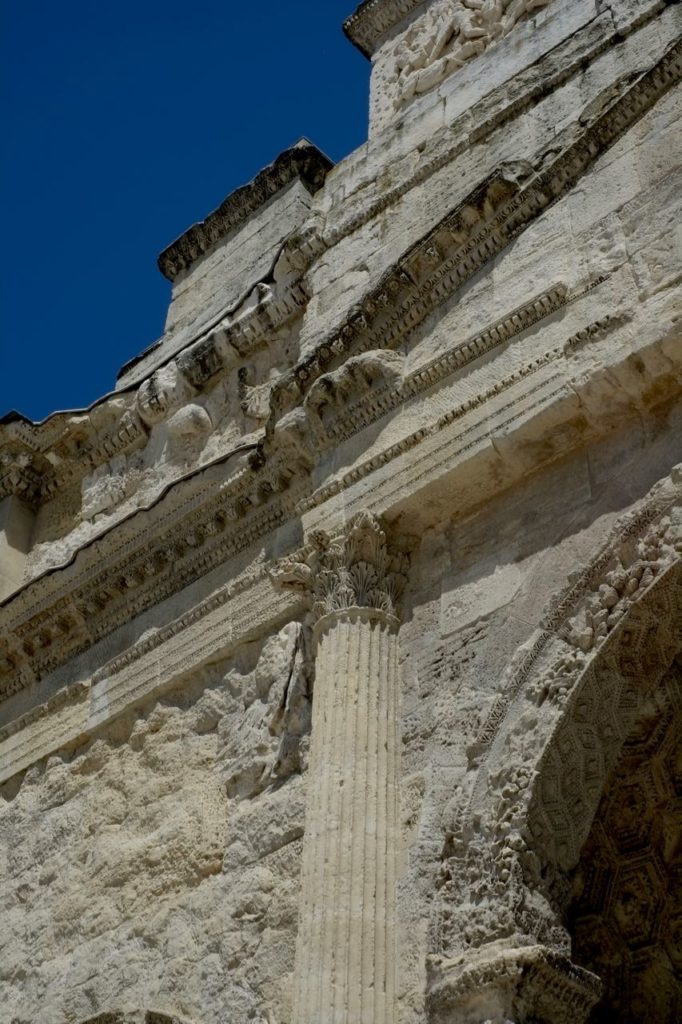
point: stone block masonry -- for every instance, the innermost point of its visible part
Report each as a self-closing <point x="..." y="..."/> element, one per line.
<point x="340" y="643"/>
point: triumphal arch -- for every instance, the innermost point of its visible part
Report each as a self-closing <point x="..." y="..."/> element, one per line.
<point x="341" y="657"/>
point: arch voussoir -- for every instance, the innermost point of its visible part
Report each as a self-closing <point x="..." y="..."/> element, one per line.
<point x="550" y="744"/>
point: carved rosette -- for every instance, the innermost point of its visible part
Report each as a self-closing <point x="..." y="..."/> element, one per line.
<point x="354" y="571"/>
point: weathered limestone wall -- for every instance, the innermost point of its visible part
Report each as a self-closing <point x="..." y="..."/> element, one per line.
<point x="498" y="570"/>
<point x="156" y="862"/>
<point x="370" y="567"/>
<point x="167" y="846"/>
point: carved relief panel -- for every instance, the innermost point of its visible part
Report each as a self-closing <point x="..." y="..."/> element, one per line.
<point x="439" y="42"/>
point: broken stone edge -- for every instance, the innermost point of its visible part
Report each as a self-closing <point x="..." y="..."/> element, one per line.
<point x="303" y="160"/>
<point x="373" y="19"/>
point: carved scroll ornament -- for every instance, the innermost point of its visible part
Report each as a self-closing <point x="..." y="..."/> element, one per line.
<point x="356" y="570"/>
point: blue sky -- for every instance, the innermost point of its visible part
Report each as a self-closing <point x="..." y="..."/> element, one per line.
<point x="123" y="124"/>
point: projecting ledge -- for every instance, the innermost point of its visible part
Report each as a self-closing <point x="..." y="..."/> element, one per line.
<point x="303" y="160"/>
<point x="370" y="22"/>
<point x="530" y="983"/>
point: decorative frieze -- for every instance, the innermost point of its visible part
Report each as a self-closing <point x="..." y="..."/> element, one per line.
<point x="389" y="314"/>
<point x="258" y="497"/>
<point x="338" y="404"/>
<point x="556" y="68"/>
<point x="486" y="240"/>
<point x="492" y="216"/>
<point x="39" y="459"/>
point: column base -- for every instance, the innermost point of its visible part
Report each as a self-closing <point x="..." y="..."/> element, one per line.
<point x="498" y="985"/>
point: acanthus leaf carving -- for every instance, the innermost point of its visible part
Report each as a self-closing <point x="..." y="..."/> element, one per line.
<point x="355" y="570"/>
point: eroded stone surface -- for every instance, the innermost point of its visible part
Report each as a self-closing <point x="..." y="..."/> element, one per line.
<point x="437" y="396"/>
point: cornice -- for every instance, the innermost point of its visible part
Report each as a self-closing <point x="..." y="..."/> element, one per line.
<point x="38" y="460"/>
<point x="27" y="465"/>
<point x="122" y="578"/>
<point x="303" y="161"/>
<point x="207" y="534"/>
<point x="468" y="237"/>
<point x="373" y="19"/>
<point x="468" y="437"/>
<point x="253" y="523"/>
<point x="554" y="69"/>
<point x="349" y="409"/>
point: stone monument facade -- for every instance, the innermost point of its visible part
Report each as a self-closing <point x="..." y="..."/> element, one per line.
<point x="341" y="646"/>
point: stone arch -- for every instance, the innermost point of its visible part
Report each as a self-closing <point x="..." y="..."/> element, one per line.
<point x="579" y="687"/>
<point x="539" y="767"/>
<point x="624" y="905"/>
<point x="614" y="691"/>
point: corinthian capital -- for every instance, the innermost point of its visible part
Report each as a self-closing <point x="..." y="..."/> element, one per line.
<point x="355" y="570"/>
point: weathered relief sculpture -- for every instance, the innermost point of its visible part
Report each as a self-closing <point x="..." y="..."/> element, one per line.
<point x="340" y="644"/>
<point x="452" y="33"/>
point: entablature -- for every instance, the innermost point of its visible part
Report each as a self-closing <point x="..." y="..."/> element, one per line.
<point x="353" y="378"/>
<point x="198" y="405"/>
<point x="550" y="404"/>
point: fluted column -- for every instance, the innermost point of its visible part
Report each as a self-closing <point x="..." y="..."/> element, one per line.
<point x="346" y="950"/>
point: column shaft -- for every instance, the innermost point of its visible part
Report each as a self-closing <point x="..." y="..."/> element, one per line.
<point x="345" y="965"/>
